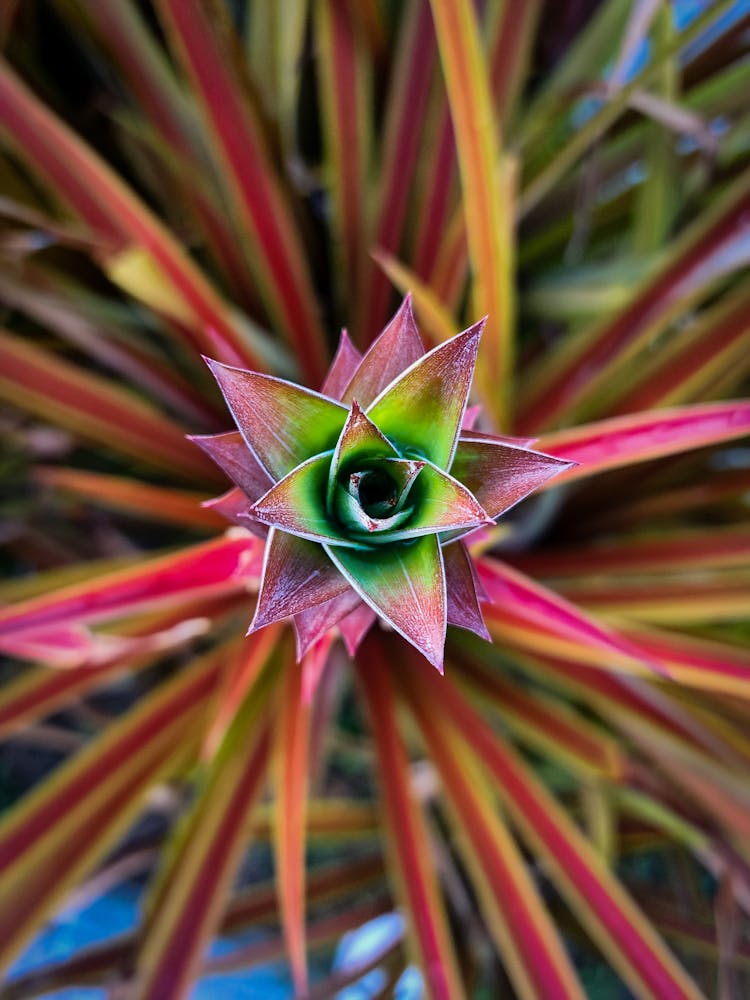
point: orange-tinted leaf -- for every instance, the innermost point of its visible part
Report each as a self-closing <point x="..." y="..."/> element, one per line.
<point x="609" y="915"/>
<point x="95" y="408"/>
<point x="406" y="104"/>
<point x="156" y="88"/>
<point x="433" y="315"/>
<point x="291" y="750"/>
<point x="345" y="79"/>
<point x="63" y="826"/>
<point x="142" y="500"/>
<point x="119" y="219"/>
<point x="485" y="200"/>
<point x="522" y="596"/>
<point x="572" y="374"/>
<point x="677" y="600"/>
<point x="249" y="907"/>
<point x="187" y="903"/>
<point x="667" y="552"/>
<point x="523" y="931"/>
<point x="688" y="366"/>
<point x="705" y="665"/>
<point x="551" y="726"/>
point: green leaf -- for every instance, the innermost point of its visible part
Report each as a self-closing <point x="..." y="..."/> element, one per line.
<point x="297" y="503"/>
<point x="421" y="411"/>
<point x="441" y="503"/>
<point x="360" y="439"/>
<point x="405" y="585"/>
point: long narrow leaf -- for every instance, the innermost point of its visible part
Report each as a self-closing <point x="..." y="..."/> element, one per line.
<point x="522" y="596"/>
<point x="485" y="198"/>
<point x="600" y="902"/>
<point x="689" y="367"/>
<point x="186" y="906"/>
<point x="529" y="945"/>
<point x="142" y="500"/>
<point x="95" y="408"/>
<point x="345" y="82"/>
<point x="292" y="781"/>
<point x="248" y="908"/>
<point x="622" y="441"/>
<point x="155" y="87"/>
<point x="65" y="825"/>
<point x="406" y="106"/>
<point x="209" y="570"/>
<point x="553" y="728"/>
<point x="407" y="833"/>
<point x="116" y="215"/>
<point x="278" y="257"/>
<point x="667" y="552"/>
<point x="569" y="377"/>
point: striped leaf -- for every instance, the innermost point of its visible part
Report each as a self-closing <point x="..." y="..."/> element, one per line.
<point x="407" y="835"/>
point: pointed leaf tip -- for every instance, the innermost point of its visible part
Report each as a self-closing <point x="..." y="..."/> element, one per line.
<point x="394" y="350"/>
<point x="282" y="423"/>
<point x="345" y="363"/>
<point x="297" y="575"/>
<point x="424" y="406"/>
<point x="499" y="474"/>
<point x="295" y="504"/>
<point x="405" y="586"/>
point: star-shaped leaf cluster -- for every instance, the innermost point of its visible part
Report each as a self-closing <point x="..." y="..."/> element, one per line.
<point x="366" y="488"/>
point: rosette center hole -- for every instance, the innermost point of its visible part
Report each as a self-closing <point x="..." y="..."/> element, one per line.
<point x="377" y="491"/>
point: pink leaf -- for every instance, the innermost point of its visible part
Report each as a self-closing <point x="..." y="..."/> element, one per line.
<point x="296" y="575"/>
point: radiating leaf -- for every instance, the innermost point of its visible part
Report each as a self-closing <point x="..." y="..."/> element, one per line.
<point x="141" y="500"/>
<point x="345" y="80"/>
<point x="501" y="475"/>
<point x="297" y="575"/>
<point x="570" y="376"/>
<point x="404" y="585"/>
<point x="291" y="758"/>
<point x="531" y="950"/>
<point x="283" y="424"/>
<point x="297" y="504"/>
<point x="489" y="216"/>
<point x="608" y="914"/>
<point x="423" y="408"/>
<point x="115" y="215"/>
<point x="392" y="352"/>
<point x="344" y="365"/>
<point x="463" y="590"/>
<point x="212" y="569"/>
<point x="546" y="724"/>
<point x="622" y="441"/>
<point x="186" y="905"/>
<point x="536" y="604"/>
<point x="94" y="408"/>
<point x="407" y="835"/>
<point x="70" y="820"/>
<point x="406" y="104"/>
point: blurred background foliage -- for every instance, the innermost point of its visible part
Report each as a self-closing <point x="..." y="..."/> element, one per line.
<point x="241" y="180"/>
